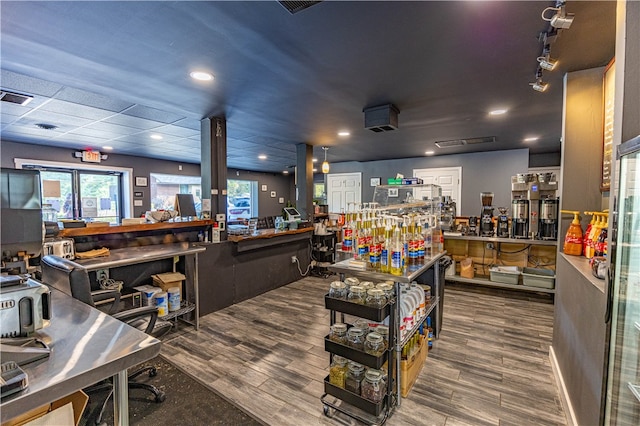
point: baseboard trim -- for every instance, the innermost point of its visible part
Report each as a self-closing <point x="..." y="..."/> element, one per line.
<point x="562" y="389"/>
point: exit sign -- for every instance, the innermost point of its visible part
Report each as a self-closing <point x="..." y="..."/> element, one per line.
<point x="91" y="156"/>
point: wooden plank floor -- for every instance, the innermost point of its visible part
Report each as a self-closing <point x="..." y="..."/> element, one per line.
<point x="490" y="365"/>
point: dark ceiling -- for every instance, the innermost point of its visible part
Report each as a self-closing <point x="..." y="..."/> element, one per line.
<point x="113" y="73"/>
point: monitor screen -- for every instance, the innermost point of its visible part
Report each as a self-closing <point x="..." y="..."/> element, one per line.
<point x="185" y="205"/>
<point x="292" y="213"/>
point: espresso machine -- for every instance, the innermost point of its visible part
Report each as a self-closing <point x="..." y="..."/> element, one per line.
<point x="473" y="226"/>
<point x="502" y="229"/>
<point x="534" y="196"/>
<point x="447" y="213"/>
<point x="486" y="216"/>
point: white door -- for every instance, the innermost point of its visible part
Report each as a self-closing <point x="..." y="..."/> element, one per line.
<point x="449" y="179"/>
<point x="343" y="189"/>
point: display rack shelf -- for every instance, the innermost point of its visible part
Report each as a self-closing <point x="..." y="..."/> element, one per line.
<point x="488" y="282"/>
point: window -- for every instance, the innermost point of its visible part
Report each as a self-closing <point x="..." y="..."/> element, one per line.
<point x="319" y="196"/>
<point x="242" y="195"/>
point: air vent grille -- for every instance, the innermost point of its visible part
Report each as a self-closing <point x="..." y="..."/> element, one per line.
<point x="297" y="6"/>
<point x="461" y="142"/>
<point x="15" y="98"/>
<point x="382" y="118"/>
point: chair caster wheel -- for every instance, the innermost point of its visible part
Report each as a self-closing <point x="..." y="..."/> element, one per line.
<point x="327" y="411"/>
<point x="161" y="397"/>
<point x="153" y="372"/>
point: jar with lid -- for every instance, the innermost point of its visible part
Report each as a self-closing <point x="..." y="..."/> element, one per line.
<point x="356" y="295"/>
<point x="338" y="371"/>
<point x="376" y="298"/>
<point x="351" y="281"/>
<point x="367" y="285"/>
<point x="383" y="330"/>
<point x="353" y="379"/>
<point x="373" y="386"/>
<point x="387" y="289"/>
<point x="355" y="338"/>
<point x="363" y="324"/>
<point x="338" y="333"/>
<point x="374" y="344"/>
<point x="338" y="290"/>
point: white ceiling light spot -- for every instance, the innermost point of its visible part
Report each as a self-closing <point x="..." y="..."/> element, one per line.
<point x="156" y="136"/>
<point x="315" y="160"/>
<point x="344" y="133"/>
<point x="315" y="170"/>
<point x="201" y="76"/>
<point x="500" y="111"/>
<point x="262" y="157"/>
<point x="430" y="152"/>
<point x="531" y="139"/>
<point x="285" y="172"/>
<point x="107" y="148"/>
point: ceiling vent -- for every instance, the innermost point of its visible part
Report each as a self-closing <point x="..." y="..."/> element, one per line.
<point x="15" y="98"/>
<point x="297" y="6"/>
<point x="461" y="142"/>
<point x="382" y="118"/>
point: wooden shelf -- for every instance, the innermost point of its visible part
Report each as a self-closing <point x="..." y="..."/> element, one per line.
<point x="121" y="229"/>
<point x="487" y="282"/>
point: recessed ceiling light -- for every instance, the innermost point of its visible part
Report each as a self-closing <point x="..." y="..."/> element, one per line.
<point x="343" y="133"/>
<point x="262" y="157"/>
<point x="498" y="111"/>
<point x="531" y="139"/>
<point x="315" y="170"/>
<point x="107" y="148"/>
<point x="315" y="160"/>
<point x="430" y="152"/>
<point x="201" y="75"/>
<point x="285" y="172"/>
<point x="156" y="136"/>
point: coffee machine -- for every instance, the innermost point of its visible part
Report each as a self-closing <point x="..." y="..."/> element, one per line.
<point x="486" y="216"/>
<point x="473" y="226"/>
<point x="534" y="196"/>
<point x="502" y="229"/>
<point x="447" y="213"/>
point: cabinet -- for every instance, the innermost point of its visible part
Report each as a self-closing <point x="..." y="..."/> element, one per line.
<point x="489" y="251"/>
<point x="392" y="356"/>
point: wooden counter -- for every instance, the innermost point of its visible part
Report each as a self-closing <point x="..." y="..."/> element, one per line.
<point x="268" y="238"/>
<point x="120" y="229"/>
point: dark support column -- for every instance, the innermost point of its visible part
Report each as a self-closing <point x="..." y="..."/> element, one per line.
<point x="213" y="144"/>
<point x="304" y="180"/>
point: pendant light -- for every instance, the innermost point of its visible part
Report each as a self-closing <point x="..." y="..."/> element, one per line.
<point x="325" y="163"/>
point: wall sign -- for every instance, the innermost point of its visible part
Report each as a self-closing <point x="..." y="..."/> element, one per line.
<point x="141" y="181"/>
<point x="607" y="139"/>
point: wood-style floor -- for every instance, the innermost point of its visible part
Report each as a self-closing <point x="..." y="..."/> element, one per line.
<point x="490" y="365"/>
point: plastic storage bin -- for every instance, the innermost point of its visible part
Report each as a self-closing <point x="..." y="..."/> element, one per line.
<point x="505" y="274"/>
<point x="536" y="277"/>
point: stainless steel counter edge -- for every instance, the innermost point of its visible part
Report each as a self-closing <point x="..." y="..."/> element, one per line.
<point x="150" y="253"/>
<point x="86" y="346"/>
<point x="501" y="240"/>
<point x="344" y="268"/>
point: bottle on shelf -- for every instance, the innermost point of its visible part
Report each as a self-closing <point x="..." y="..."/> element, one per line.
<point x="338" y="371"/>
<point x="396" y="250"/>
<point x="420" y="242"/>
<point x="600" y="247"/>
<point x="375" y="248"/>
<point x="573" y="237"/>
<point x="347" y="233"/>
<point x="429" y="334"/>
<point x="587" y="232"/>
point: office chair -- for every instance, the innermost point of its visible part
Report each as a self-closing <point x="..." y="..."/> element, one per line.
<point x="73" y="279"/>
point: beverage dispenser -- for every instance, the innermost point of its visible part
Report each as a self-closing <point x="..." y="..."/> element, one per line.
<point x="548" y="227"/>
<point x="520" y="218"/>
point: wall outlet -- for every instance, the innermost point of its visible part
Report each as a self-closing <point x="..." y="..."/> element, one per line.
<point x="489" y="246"/>
<point x="102" y="274"/>
<point x="294" y="259"/>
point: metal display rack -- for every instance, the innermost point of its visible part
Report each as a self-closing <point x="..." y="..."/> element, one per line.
<point x="354" y="405"/>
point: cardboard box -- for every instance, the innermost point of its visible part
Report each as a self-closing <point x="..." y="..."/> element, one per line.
<point x="168" y="279"/>
<point x="78" y="401"/>
<point x="410" y="369"/>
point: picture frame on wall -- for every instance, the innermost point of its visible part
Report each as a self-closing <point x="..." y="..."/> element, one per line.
<point x="392" y="192"/>
<point x="375" y="181"/>
<point x="141" y="181"/>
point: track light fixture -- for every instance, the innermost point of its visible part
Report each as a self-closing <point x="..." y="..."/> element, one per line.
<point x="561" y="19"/>
<point x="325" y="163"/>
<point x="539" y="85"/>
<point x="545" y="61"/>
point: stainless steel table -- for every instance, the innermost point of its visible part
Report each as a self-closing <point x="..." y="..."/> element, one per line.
<point x="86" y="346"/>
<point x="151" y="253"/>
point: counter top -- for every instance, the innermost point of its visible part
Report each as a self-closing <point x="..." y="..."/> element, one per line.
<point x="131" y="255"/>
<point x="267" y="233"/>
<point x="86" y="346"/>
<point x="348" y="267"/>
<point x="120" y="229"/>
<point x="581" y="264"/>
<point x="501" y="240"/>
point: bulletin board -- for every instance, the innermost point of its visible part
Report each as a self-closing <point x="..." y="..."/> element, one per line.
<point x="607" y="139"/>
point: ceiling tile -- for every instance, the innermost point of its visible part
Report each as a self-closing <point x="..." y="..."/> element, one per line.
<point x="153" y="114"/>
<point x="90" y="99"/>
<point x="76" y="110"/>
<point x="28" y="85"/>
